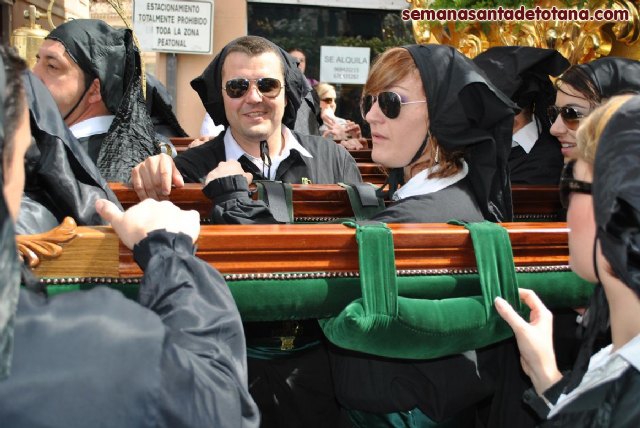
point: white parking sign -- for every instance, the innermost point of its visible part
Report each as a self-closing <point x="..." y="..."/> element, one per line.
<point x="177" y="26"/>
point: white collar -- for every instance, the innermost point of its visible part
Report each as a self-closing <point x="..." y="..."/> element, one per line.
<point x="604" y="366"/>
<point x="527" y="136"/>
<point x="419" y="184"/>
<point x="233" y="150"/>
<point x="91" y="126"/>
<point x="631" y="352"/>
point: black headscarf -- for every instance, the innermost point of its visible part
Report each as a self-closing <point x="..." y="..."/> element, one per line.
<point x="110" y="55"/>
<point x="9" y="265"/>
<point x="616" y="193"/>
<point x="61" y="180"/>
<point x="522" y="73"/>
<point x="613" y="76"/>
<point x="467" y="112"/>
<point x="616" y="203"/>
<point x="160" y="108"/>
<point x="297" y="91"/>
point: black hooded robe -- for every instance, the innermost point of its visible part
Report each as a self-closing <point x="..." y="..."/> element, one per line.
<point x="174" y="359"/>
<point x="60" y="178"/>
<point x="522" y="73"/>
<point x="292" y="388"/>
<point x="465" y="111"/>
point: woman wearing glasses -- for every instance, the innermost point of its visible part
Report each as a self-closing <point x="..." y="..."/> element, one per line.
<point x="582" y="88"/>
<point x="604" y="245"/>
<point x="445" y="132"/>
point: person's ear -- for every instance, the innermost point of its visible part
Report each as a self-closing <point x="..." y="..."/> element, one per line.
<point x="94" y="95"/>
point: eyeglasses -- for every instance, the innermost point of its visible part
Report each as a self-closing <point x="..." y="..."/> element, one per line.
<point x="568" y="184"/>
<point x="389" y="103"/>
<point x="570" y="116"/>
<point x="328" y="100"/>
<point x="267" y="86"/>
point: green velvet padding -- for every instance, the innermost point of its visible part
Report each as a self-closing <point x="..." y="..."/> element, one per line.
<point x="273" y="299"/>
<point x="420" y="328"/>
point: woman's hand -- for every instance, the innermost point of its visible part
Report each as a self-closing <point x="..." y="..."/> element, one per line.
<point x="534" y="339"/>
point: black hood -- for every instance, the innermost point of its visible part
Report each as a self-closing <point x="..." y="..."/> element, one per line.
<point x="111" y="55"/>
<point x="9" y="265"/>
<point x="522" y="73"/>
<point x="613" y="76"/>
<point x="616" y="193"/>
<point x="468" y="113"/>
<point x="209" y="87"/>
<point x="160" y="108"/>
<point x="61" y="180"/>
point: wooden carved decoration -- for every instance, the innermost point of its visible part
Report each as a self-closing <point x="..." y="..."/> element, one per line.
<point x="33" y="248"/>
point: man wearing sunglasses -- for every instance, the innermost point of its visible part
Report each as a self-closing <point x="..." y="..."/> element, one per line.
<point x="254" y="89"/>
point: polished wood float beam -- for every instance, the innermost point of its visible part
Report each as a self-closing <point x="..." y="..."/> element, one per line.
<point x="241" y="249"/>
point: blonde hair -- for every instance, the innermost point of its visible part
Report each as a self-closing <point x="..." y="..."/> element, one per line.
<point x="323" y="88"/>
<point x="590" y="130"/>
<point x="390" y="67"/>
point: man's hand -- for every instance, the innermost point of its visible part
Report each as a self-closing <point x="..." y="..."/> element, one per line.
<point x="227" y="168"/>
<point x="153" y="177"/>
<point x="534" y="339"/>
<point x="133" y="225"/>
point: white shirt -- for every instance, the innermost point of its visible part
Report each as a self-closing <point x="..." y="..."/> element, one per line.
<point x="604" y="366"/>
<point x="232" y="150"/>
<point x="526" y="136"/>
<point x="92" y="126"/>
<point x="419" y="184"/>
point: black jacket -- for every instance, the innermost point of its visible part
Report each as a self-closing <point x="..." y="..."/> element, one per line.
<point x="330" y="164"/>
<point x="176" y="358"/>
<point x="454" y="202"/>
<point x="613" y="404"/>
<point x="542" y="165"/>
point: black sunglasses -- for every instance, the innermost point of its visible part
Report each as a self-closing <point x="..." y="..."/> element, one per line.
<point x="389" y="103"/>
<point x="267" y="86"/>
<point x="568" y="184"/>
<point x="570" y="116"/>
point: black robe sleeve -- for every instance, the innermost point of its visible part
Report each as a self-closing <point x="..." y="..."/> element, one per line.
<point x="203" y="366"/>
<point x="94" y="358"/>
<point x="232" y="203"/>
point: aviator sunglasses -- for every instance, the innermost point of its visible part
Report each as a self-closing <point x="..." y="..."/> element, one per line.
<point x="389" y="103"/>
<point x="267" y="86"/>
<point x="570" y="116"/>
<point x="568" y="184"/>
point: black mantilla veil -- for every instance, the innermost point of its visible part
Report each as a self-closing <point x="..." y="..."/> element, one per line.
<point x="209" y="87"/>
<point x="111" y="55"/>
<point x="613" y="76"/>
<point x="60" y="178"/>
<point x="9" y="264"/>
<point x="522" y="73"/>
<point x="468" y="113"/>
<point x="616" y="203"/>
